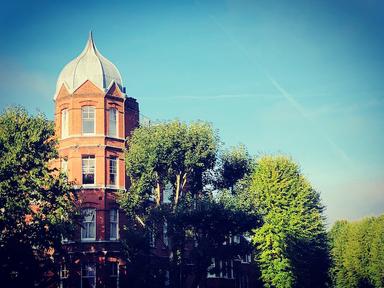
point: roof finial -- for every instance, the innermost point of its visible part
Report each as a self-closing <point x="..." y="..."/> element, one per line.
<point x="90" y="42"/>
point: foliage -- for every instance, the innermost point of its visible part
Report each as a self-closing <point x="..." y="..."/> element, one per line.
<point x="235" y="164"/>
<point x="36" y="204"/>
<point x="358" y="253"/>
<point x="172" y="152"/>
<point x="291" y="244"/>
<point x="198" y="220"/>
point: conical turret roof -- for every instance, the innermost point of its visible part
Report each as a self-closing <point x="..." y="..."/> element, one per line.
<point x="89" y="65"/>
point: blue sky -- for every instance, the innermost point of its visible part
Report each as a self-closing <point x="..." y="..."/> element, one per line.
<point x="303" y="78"/>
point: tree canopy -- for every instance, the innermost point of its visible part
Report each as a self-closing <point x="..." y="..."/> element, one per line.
<point x="358" y="253"/>
<point x="291" y="245"/>
<point x="183" y="159"/>
<point x="36" y="202"/>
<point x="168" y="153"/>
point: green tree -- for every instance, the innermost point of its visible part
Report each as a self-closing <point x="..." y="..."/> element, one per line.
<point x="358" y="253"/>
<point x="292" y="248"/>
<point x="235" y="164"/>
<point x="36" y="203"/>
<point x="183" y="158"/>
<point x="171" y="153"/>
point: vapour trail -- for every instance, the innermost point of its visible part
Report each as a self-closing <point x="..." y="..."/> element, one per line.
<point x="287" y="96"/>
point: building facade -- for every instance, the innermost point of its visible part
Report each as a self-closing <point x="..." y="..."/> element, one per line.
<point x="93" y="118"/>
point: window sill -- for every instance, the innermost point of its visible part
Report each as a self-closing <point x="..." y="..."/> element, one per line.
<point x="88" y="240"/>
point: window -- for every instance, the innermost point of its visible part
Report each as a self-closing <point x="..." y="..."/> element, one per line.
<point x="167" y="193"/>
<point x="88" y="276"/>
<point x="88" y="229"/>
<point x="88" y="169"/>
<point x="165" y="233"/>
<point x="220" y="269"/>
<point x="64" y="273"/>
<point x="114" y="275"/>
<point x="88" y="119"/>
<point x="167" y="281"/>
<point x="113" y="171"/>
<point x="64" y="123"/>
<point x="152" y="237"/>
<point x="64" y="165"/>
<point x="247" y="258"/>
<point x="112" y="131"/>
<point x="114" y="224"/>
<point x="211" y="269"/>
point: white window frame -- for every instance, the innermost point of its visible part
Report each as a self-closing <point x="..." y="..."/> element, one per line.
<point x="236" y="239"/>
<point x="114" y="222"/>
<point x="247" y="258"/>
<point x="110" y="119"/>
<point x="116" y="160"/>
<point x="64" y="123"/>
<point x="226" y="273"/>
<point x="88" y="224"/>
<point x="92" y="267"/>
<point x="63" y="274"/>
<point x="85" y="116"/>
<point x="88" y="158"/>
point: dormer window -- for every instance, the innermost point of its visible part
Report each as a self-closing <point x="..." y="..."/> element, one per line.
<point x="88" y="119"/>
<point x="112" y="131"/>
<point x="64" y="123"/>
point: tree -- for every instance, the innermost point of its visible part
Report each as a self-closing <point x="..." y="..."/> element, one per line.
<point x="291" y="245"/>
<point x="36" y="203"/>
<point x="171" y="153"/>
<point x="235" y="164"/>
<point x="358" y="253"/>
<point x="182" y="158"/>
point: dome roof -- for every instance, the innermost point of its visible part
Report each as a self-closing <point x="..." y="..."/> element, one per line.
<point x="89" y="65"/>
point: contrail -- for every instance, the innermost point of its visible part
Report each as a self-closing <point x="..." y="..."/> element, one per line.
<point x="287" y="96"/>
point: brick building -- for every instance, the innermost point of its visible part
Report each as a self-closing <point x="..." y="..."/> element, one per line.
<point x="93" y="117"/>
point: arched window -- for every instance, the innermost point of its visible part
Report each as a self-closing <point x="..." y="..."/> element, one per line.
<point x="88" y="119"/>
<point x="112" y="131"/>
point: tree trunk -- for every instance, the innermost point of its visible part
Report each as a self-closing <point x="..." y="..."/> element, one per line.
<point x="177" y="192"/>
